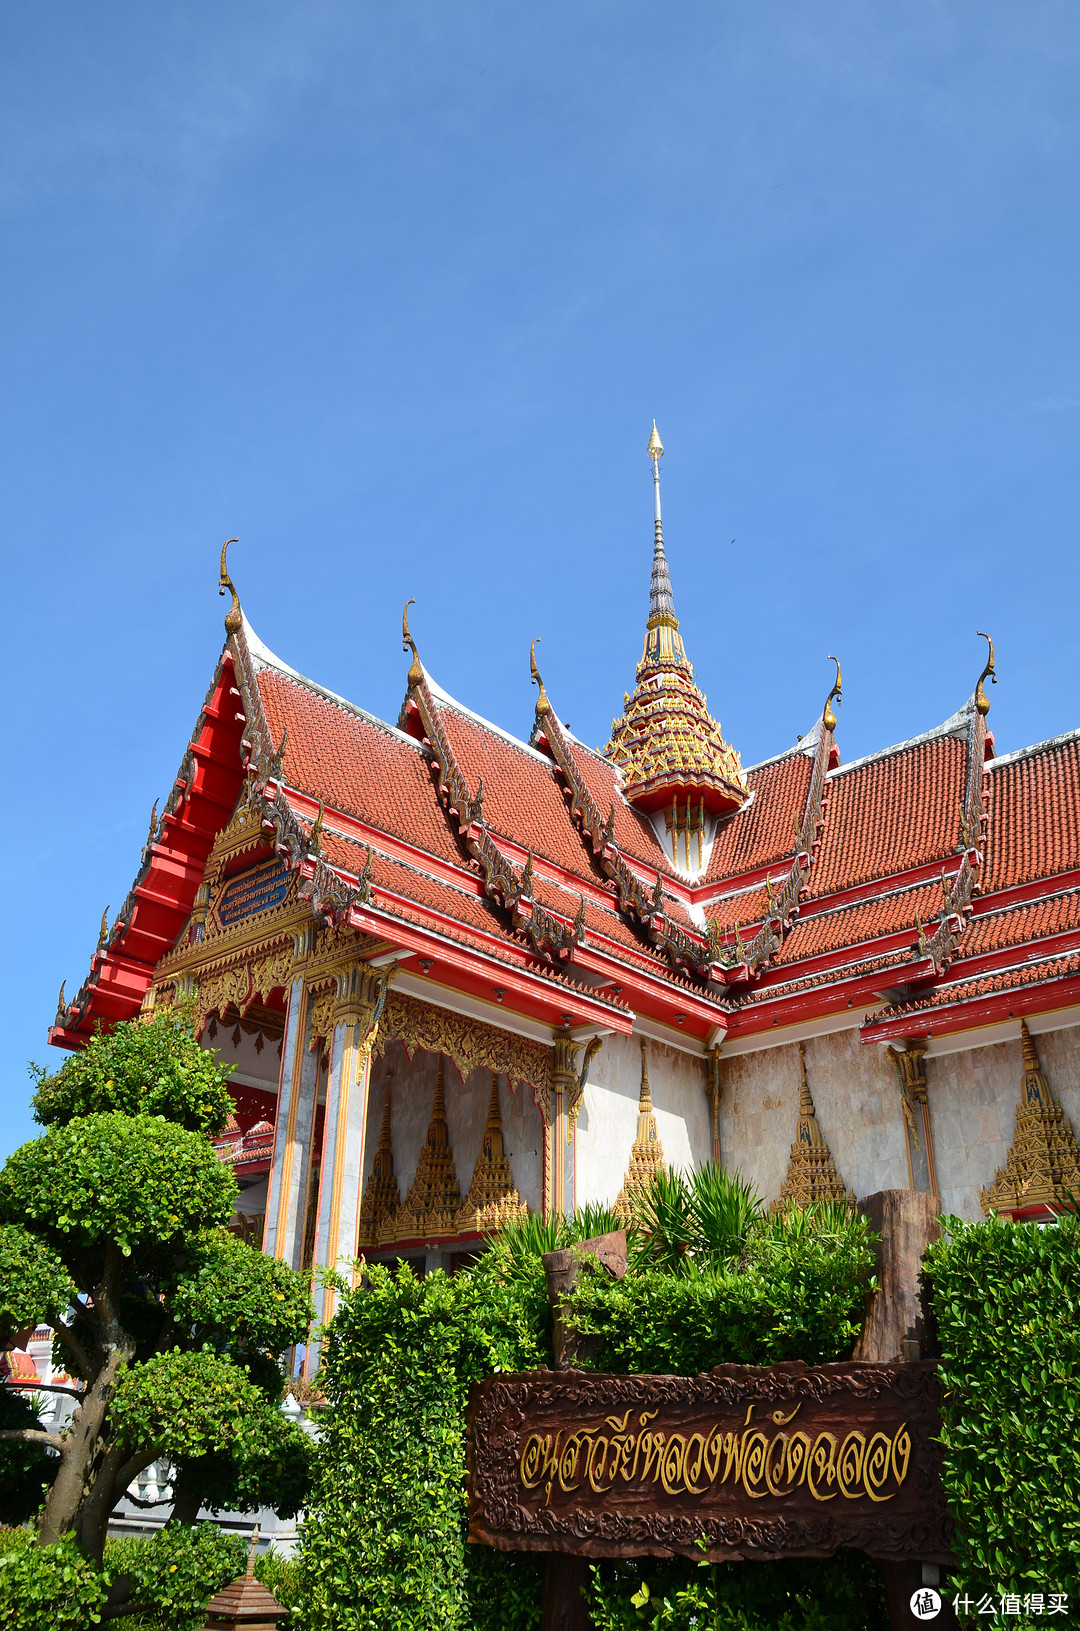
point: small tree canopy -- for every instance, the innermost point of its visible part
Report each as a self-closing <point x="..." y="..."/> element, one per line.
<point x="274" y="1468"/>
<point x="190" y="1404"/>
<point x="35" y="1287"/>
<point x="229" y="1295"/>
<point x="135" y="1180"/>
<point x="151" y="1068"/>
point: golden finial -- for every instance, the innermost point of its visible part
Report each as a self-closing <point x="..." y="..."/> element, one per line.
<point x="153" y="825"/>
<point x="103" y="932"/>
<point x="61" y="1006"/>
<point x="828" y="718"/>
<point x="416" y="669"/>
<point x="656" y="446"/>
<point x="315" y="835"/>
<point x="982" y="701"/>
<point x="543" y="706"/>
<point x="233" y="617"/>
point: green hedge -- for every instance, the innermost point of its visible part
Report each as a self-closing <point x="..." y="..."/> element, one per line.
<point x="1006" y="1300"/>
<point x="383" y="1545"/>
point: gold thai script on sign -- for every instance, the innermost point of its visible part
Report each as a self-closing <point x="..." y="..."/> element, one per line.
<point x="775" y="1459"/>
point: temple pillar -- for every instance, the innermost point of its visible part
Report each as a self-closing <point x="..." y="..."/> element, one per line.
<point x="561" y="1135"/>
<point x="922" y="1168"/>
<point x="286" y="1200"/>
<point x="361" y="991"/>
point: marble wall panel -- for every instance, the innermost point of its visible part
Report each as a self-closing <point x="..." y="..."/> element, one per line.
<point x="607" y="1123"/>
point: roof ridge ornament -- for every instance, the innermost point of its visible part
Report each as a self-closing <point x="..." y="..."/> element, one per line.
<point x="416" y="668"/>
<point x="234" y="617"/>
<point x="982" y="701"/>
<point x="828" y="717"/>
<point x="543" y="706"/>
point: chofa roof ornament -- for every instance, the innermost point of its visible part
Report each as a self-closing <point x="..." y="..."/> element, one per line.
<point x="234" y="617"/>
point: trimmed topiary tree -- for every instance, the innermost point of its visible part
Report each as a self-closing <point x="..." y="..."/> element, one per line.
<point x="113" y="1229"/>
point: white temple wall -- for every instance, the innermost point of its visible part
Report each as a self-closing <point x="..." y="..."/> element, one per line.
<point x="607" y="1122"/>
<point x="973" y="1094"/>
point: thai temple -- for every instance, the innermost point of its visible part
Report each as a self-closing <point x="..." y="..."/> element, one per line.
<point x="462" y="976"/>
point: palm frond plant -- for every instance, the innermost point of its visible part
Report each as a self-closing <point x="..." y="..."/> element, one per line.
<point x="686" y="1222"/>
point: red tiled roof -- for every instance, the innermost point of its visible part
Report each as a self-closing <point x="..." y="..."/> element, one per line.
<point x="763" y="831"/>
<point x="1034" y="810"/>
<point x="634" y="833"/>
<point x="522" y="798"/>
<point x="1033" y="920"/>
<point x="355" y="765"/>
<point x="853" y="925"/>
<point x="1050" y="968"/>
<point x="897" y="811"/>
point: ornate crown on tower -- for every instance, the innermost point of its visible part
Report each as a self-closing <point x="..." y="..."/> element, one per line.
<point x="666" y="744"/>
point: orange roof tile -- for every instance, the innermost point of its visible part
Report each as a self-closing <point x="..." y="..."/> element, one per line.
<point x="1008" y="979"/>
<point x="763" y="830"/>
<point x="898" y="810"/>
<point x="1034" y="813"/>
<point x="355" y="764"/>
<point x="1033" y="920"/>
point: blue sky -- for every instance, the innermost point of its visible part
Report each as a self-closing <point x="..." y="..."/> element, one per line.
<point x="394" y="293"/>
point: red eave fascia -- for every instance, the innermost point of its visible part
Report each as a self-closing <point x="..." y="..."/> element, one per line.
<point x="820" y="1001"/>
<point x="479" y="976"/>
<point x="1015" y="956"/>
<point x="974" y="1012"/>
<point x="655" y="997"/>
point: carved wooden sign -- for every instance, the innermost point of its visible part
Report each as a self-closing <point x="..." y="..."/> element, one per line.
<point x="788" y="1461"/>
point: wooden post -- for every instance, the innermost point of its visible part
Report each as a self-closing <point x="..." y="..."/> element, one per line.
<point x="894" y="1331"/>
<point x="566" y="1577"/>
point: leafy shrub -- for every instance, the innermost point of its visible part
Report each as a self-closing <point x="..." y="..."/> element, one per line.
<point x="26" y="1469"/>
<point x="383" y="1544"/>
<point x="797" y="1293"/>
<point x="687" y="1220"/>
<point x="137" y="1179"/>
<point x="153" y="1068"/>
<point x="843" y="1593"/>
<point x="178" y="1570"/>
<point x="1006" y="1299"/>
<point x="52" y="1586"/>
<point x="34" y="1283"/>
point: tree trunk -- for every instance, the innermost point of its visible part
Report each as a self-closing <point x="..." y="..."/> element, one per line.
<point x="77" y="1478"/>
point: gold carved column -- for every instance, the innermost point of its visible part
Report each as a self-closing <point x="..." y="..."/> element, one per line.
<point x="564" y="1067"/>
<point x="910" y="1069"/>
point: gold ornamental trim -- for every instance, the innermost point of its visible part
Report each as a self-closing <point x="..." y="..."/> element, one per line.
<point x="811" y="1173"/>
<point x="469" y="1044"/>
<point x="1043" y="1166"/>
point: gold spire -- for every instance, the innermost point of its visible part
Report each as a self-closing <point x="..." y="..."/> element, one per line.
<point x="233" y="617"/>
<point x="828" y="717"/>
<point x="434" y="1197"/>
<point x="1043" y="1165"/>
<point x="103" y="932"/>
<point x="669" y="749"/>
<point x="647" y="1153"/>
<point x="811" y="1173"/>
<point x="416" y="668"/>
<point x="492" y="1199"/>
<point x="382" y="1198"/>
<point x="982" y="701"/>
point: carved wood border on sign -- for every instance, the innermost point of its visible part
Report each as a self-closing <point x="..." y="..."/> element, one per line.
<point x="788" y="1461"/>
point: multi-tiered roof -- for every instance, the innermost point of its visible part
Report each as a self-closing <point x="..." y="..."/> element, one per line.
<point x="931" y="887"/>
